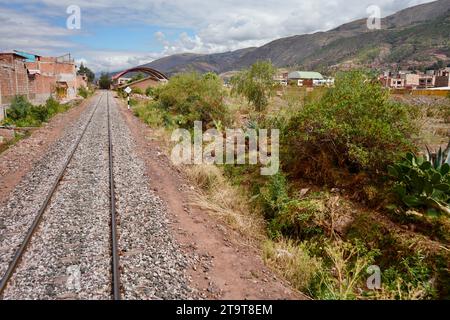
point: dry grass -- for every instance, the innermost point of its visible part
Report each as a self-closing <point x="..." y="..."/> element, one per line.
<point x="292" y="261"/>
<point x="228" y="202"/>
<point x="412" y="293"/>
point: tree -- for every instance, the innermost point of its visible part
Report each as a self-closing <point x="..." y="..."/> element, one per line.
<point x="255" y="83"/>
<point x="85" y="71"/>
<point x="105" y="81"/>
<point x="193" y="97"/>
<point x="437" y="65"/>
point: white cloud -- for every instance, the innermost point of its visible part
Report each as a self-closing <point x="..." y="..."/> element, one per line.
<point x="111" y="61"/>
<point x="21" y="31"/>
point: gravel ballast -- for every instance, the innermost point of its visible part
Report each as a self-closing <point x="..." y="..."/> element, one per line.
<point x="18" y="213"/>
<point x="69" y="256"/>
<point x="153" y="266"/>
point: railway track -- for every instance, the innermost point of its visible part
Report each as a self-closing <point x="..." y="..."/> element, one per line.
<point x="19" y="253"/>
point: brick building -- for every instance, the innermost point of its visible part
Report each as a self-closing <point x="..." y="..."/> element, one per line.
<point x="443" y="78"/>
<point x="13" y="77"/>
<point x="37" y="78"/>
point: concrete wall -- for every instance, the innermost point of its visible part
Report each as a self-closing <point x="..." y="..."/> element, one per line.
<point x="2" y="112"/>
<point x="412" y="80"/>
<point x="437" y="93"/>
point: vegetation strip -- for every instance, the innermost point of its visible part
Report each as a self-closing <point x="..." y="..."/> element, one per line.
<point x="334" y="209"/>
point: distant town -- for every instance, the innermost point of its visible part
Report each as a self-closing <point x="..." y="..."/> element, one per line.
<point x="38" y="77"/>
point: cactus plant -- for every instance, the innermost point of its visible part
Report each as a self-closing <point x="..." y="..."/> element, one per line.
<point x="423" y="183"/>
<point x="439" y="158"/>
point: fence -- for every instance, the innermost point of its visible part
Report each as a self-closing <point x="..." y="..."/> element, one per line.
<point x="2" y="112"/>
<point x="436" y="93"/>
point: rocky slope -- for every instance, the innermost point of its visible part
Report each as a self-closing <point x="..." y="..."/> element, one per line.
<point x="417" y="36"/>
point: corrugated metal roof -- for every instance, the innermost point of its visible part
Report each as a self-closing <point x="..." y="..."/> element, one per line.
<point x="305" y="75"/>
<point x="28" y="56"/>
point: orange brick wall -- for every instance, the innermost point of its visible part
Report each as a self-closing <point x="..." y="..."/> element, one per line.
<point x="13" y="78"/>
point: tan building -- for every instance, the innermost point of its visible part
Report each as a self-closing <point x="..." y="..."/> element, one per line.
<point x="412" y="81"/>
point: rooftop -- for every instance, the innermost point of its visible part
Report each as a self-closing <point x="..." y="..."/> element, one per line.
<point x="305" y="75"/>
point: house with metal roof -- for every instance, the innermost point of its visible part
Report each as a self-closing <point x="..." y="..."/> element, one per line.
<point x="306" y="79"/>
<point x="305" y="75"/>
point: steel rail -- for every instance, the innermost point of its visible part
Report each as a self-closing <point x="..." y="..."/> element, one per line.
<point x="114" y="238"/>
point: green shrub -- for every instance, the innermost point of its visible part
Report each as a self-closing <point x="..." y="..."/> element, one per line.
<point x="343" y="274"/>
<point x="105" y="81"/>
<point x="298" y="219"/>
<point x="419" y="184"/>
<point x="152" y="115"/>
<point x="274" y="196"/>
<point x="137" y="91"/>
<point x="20" y="108"/>
<point x="133" y="102"/>
<point x="410" y="279"/>
<point x="354" y="128"/>
<point x="193" y="97"/>
<point x="149" y="92"/>
<point x="23" y="114"/>
<point x="256" y="84"/>
<point x="83" y="92"/>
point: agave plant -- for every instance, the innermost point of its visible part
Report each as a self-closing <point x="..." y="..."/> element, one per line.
<point x="421" y="183"/>
<point x="438" y="159"/>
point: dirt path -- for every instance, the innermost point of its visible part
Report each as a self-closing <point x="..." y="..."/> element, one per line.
<point x="17" y="161"/>
<point x="224" y="268"/>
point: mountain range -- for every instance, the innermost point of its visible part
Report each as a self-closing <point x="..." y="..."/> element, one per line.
<point x="415" y="37"/>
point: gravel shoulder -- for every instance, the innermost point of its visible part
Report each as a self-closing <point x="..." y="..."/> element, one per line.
<point x="221" y="265"/>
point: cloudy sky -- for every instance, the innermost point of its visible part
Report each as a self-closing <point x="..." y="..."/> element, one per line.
<point x="116" y="34"/>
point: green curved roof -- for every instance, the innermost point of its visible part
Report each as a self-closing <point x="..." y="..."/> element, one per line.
<point x="305" y="75"/>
